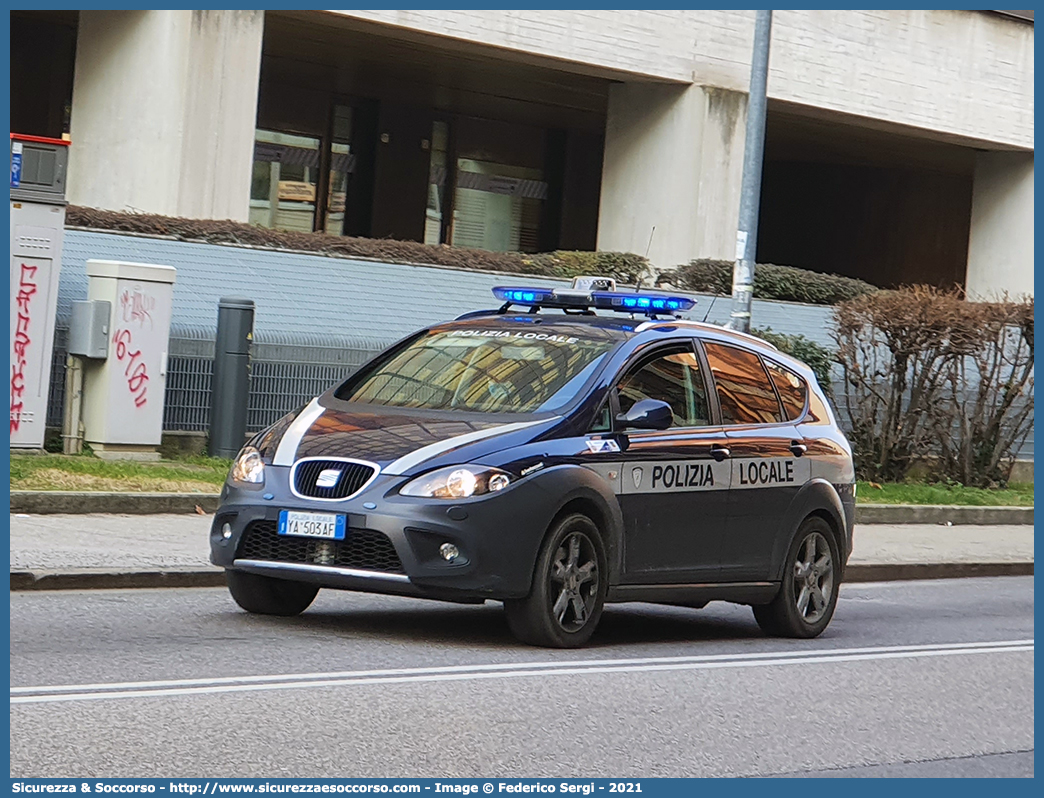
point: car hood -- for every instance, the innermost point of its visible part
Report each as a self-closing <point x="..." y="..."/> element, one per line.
<point x="400" y="442"/>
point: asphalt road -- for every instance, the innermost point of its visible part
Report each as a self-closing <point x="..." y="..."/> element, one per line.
<point x="912" y="679"/>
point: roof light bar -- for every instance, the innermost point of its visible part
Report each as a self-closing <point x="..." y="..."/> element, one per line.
<point x="621" y="301"/>
<point x="524" y="296"/>
<point x="641" y="303"/>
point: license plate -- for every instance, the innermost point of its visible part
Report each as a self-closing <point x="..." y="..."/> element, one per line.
<point x="312" y="525"/>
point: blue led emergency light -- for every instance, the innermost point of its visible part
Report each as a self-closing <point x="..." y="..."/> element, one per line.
<point x="524" y="296"/>
<point x="624" y="302"/>
<point x="641" y="303"/>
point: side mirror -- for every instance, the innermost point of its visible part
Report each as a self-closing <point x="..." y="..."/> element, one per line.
<point x="647" y="414"/>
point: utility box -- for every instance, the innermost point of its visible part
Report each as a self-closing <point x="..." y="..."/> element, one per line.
<point x="123" y="394"/>
<point x="38" y="169"/>
<point x="89" y="329"/>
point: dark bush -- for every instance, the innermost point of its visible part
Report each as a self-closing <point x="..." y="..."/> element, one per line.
<point x="623" y="266"/>
<point x="770" y="282"/>
<point x="929" y="376"/>
<point x="816" y="357"/>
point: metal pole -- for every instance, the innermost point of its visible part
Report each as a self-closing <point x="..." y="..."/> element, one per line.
<point x="230" y="385"/>
<point x="750" y="191"/>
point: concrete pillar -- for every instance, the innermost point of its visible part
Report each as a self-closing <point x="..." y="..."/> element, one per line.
<point x="1000" y="246"/>
<point x="673" y="160"/>
<point x="164" y="110"/>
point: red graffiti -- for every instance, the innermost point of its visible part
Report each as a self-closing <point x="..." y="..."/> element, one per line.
<point x="136" y="307"/>
<point x="136" y="372"/>
<point x="21" y="343"/>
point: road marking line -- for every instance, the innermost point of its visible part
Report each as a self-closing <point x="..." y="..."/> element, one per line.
<point x="50" y="694"/>
<point x="491" y="666"/>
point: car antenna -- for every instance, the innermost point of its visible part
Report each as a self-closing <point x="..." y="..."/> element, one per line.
<point x="709" y="309"/>
<point x="648" y="249"/>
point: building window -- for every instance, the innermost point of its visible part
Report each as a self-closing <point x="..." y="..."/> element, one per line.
<point x="282" y="189"/>
<point x="433" y="220"/>
<point x="497" y="206"/>
<point x="342" y="165"/>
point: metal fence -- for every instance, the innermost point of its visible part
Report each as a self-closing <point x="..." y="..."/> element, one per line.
<point x="285" y="374"/>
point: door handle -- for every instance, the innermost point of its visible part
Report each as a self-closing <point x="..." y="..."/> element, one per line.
<point x="720" y="453"/>
<point x="798" y="448"/>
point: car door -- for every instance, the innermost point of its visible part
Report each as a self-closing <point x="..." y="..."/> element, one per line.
<point x="766" y="456"/>
<point x="673" y="486"/>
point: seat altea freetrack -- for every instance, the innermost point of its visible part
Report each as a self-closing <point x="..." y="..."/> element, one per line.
<point x="570" y="448"/>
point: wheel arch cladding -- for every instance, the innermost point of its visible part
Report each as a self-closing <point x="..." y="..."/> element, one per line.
<point x="579" y="490"/>
<point x="817" y="498"/>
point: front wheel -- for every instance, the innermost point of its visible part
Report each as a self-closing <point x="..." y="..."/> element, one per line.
<point x="565" y="603"/>
<point x="267" y="595"/>
<point x="808" y="596"/>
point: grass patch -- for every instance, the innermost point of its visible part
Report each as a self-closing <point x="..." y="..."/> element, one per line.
<point x="87" y="473"/>
<point x="1015" y="495"/>
<point x="207" y="474"/>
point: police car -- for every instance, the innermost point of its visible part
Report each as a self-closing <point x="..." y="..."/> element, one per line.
<point x="571" y="448"/>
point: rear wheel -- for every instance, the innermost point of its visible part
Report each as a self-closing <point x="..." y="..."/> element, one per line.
<point x="811" y="580"/>
<point x="565" y="603"/>
<point x="266" y="595"/>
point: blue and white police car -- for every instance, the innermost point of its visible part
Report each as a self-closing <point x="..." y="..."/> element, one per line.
<point x="567" y="449"/>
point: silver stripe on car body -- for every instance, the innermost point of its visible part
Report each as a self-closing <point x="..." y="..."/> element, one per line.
<point x="329" y="570"/>
<point x="287" y="449"/>
<point x="415" y="458"/>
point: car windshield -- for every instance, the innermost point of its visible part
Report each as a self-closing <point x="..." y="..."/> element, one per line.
<point x="486" y="371"/>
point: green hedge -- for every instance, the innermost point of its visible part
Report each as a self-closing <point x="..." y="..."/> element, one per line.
<point x="623" y="266"/>
<point x="816" y="357"/>
<point x="770" y="282"/>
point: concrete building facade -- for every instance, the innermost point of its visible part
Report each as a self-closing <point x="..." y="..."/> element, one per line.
<point x="899" y="144"/>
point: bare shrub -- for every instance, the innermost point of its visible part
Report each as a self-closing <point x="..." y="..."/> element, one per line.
<point x="991" y="395"/>
<point x="928" y="376"/>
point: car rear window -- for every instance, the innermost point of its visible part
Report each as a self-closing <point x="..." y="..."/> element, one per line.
<point x="791" y="388"/>
<point x="744" y="391"/>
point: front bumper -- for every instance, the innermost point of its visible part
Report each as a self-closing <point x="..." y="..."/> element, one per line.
<point x="392" y="541"/>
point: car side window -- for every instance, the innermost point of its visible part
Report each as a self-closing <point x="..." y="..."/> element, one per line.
<point x="791" y="388"/>
<point x="672" y="377"/>
<point x="603" y="421"/>
<point x="745" y="393"/>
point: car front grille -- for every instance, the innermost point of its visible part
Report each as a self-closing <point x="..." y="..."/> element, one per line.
<point x="362" y="549"/>
<point x="350" y="479"/>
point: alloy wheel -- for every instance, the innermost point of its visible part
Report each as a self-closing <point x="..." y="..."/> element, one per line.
<point x="813" y="578"/>
<point x="574" y="581"/>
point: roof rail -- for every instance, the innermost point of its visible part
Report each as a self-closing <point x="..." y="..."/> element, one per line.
<point x="649" y="325"/>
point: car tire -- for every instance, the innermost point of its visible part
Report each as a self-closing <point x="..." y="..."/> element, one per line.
<point x="266" y="595"/>
<point x="807" y="597"/>
<point x="569" y="586"/>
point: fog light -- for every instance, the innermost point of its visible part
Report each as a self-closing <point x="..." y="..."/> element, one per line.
<point x="226" y="531"/>
<point x="449" y="552"/>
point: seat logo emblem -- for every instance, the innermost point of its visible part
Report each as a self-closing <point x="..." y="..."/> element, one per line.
<point x="636" y="475"/>
<point x="327" y="478"/>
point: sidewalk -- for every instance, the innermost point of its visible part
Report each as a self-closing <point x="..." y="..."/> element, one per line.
<point x="56" y="551"/>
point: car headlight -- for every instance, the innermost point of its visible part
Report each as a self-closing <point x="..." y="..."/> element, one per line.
<point x="248" y="467"/>
<point x="457" y="482"/>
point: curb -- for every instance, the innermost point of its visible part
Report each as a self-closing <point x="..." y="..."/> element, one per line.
<point x="88" y="579"/>
<point x="46" y="502"/>
<point x="941" y="514"/>
<point x="902" y="572"/>
<point x="92" y="579"/>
